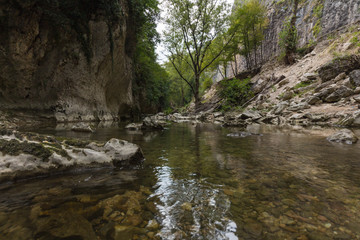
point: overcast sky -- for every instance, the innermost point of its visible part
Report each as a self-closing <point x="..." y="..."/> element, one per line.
<point x="160" y="28"/>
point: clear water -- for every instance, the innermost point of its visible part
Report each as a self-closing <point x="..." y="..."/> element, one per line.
<point x="196" y="183"/>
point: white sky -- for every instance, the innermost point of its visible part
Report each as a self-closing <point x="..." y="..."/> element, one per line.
<point x="160" y="50"/>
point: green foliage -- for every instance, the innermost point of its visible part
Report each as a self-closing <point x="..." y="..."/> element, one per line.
<point x="301" y="85"/>
<point x="248" y="22"/>
<point x="192" y="27"/>
<point x="288" y="37"/>
<point x="151" y="79"/>
<point x="207" y="83"/>
<point x="235" y="92"/>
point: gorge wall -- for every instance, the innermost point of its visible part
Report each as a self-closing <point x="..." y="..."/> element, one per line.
<point x="73" y="71"/>
<point x="316" y="19"/>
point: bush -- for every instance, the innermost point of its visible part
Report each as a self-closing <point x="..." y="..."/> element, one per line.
<point x="235" y="92"/>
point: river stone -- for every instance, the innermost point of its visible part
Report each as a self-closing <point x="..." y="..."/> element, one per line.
<point x="344" y="136"/>
<point x="153" y="225"/>
<point x="134" y="126"/>
<point x="82" y="127"/>
<point x="355" y="78"/>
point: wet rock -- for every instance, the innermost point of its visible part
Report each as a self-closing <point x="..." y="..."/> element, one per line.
<point x="134" y="126"/>
<point x="20" y="159"/>
<point x="337" y="66"/>
<point x="355" y="78"/>
<point x="344" y="136"/>
<point x="240" y="134"/>
<point x="149" y="123"/>
<point x="82" y="127"/>
<point x="186" y="206"/>
<point x="252" y="227"/>
<point x="341" y="92"/>
<point x="153" y="225"/>
<point x="318" y="236"/>
<point x="64" y="225"/>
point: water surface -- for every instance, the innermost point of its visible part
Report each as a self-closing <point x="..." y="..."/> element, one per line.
<point x="196" y="183"/>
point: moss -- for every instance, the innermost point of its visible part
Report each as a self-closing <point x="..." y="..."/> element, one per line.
<point x="301" y="85"/>
<point x="77" y="143"/>
<point x="15" y="148"/>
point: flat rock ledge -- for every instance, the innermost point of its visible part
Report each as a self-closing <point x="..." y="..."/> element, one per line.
<point x="24" y="155"/>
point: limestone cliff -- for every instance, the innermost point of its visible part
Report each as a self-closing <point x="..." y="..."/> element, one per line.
<point x="316" y="21"/>
<point x="60" y="71"/>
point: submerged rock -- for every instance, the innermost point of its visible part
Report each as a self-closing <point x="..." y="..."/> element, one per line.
<point x="23" y="155"/>
<point x="344" y="136"/>
<point x="242" y="134"/>
<point x="82" y="127"/>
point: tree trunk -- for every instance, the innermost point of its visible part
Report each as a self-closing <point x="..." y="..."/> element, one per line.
<point x="196" y="93"/>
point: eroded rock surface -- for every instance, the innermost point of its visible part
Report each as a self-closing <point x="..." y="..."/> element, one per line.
<point x="23" y="155"/>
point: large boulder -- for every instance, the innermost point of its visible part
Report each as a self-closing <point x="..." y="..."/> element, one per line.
<point x="341" y="92"/>
<point x="343" y="136"/>
<point x="250" y="114"/>
<point x="339" y="65"/>
<point x="355" y="78"/>
<point x="23" y="155"/>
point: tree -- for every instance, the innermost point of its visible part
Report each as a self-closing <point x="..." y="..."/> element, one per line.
<point x="192" y="26"/>
<point x="288" y="35"/>
<point x="248" y="22"/>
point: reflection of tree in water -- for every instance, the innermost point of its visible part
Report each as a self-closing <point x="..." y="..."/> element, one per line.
<point x="190" y="206"/>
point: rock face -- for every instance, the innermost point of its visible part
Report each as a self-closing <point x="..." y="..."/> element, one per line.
<point x="343" y="136"/>
<point x="23" y="155"/>
<point x="315" y="19"/>
<point x="46" y="68"/>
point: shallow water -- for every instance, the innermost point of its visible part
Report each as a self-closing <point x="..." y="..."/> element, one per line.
<point x="197" y="183"/>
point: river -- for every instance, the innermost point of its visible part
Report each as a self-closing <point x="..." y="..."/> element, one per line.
<point x="197" y="182"/>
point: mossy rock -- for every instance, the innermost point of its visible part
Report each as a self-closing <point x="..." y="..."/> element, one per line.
<point x="15" y="148"/>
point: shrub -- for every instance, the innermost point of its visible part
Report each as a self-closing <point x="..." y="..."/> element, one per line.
<point x="235" y="92"/>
